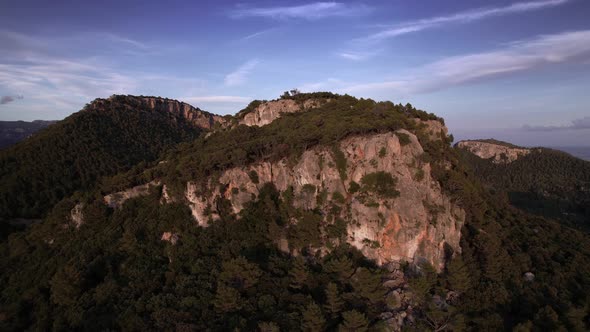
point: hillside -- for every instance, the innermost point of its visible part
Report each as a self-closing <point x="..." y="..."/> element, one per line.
<point x="107" y="137"/>
<point x="348" y="214"/>
<point x="542" y="181"/>
<point x="12" y="132"/>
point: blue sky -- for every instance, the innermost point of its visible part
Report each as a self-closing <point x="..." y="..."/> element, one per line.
<point x="514" y="70"/>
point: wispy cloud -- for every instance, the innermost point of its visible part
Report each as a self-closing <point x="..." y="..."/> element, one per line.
<point x="9" y="99"/>
<point x="357" y="56"/>
<point x="216" y="99"/>
<point x="461" y="17"/>
<point x="518" y="56"/>
<point x="311" y="11"/>
<point x="258" y="34"/>
<point x="577" y="124"/>
<point x="58" y="81"/>
<point x="240" y="75"/>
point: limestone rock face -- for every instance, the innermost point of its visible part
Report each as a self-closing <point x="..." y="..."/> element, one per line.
<point x="499" y="154"/>
<point x="420" y="224"/>
<point x="433" y="128"/>
<point x="267" y="112"/>
<point x="77" y="215"/>
<point x="197" y="117"/>
<point x="117" y="199"/>
<point x="170" y="237"/>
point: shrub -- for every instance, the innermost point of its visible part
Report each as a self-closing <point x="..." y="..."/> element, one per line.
<point x="404" y="139"/>
<point x="340" y="160"/>
<point x="419" y="175"/>
<point x="338" y="198"/>
<point x="253" y="176"/>
<point x="353" y="187"/>
<point x="380" y="183"/>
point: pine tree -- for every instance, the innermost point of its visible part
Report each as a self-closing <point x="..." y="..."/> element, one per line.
<point x="353" y="321"/>
<point x="458" y="277"/>
<point x="313" y="319"/>
<point x="227" y="299"/>
<point x="298" y="274"/>
<point x="341" y="268"/>
<point x="368" y="285"/>
<point x="239" y="273"/>
<point x="268" y="327"/>
<point x="334" y="303"/>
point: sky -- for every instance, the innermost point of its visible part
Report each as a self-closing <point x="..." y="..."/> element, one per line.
<point x="512" y="70"/>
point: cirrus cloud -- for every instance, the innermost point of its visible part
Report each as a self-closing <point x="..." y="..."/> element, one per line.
<point x="461" y="17"/>
<point x="311" y="11"/>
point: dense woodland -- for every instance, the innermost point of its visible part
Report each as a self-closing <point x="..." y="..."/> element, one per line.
<point x="545" y="182"/>
<point x="74" y="154"/>
<point x="116" y="273"/>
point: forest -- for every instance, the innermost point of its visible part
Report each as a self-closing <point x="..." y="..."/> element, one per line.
<point x="148" y="266"/>
<point x="545" y="182"/>
<point x="74" y="154"/>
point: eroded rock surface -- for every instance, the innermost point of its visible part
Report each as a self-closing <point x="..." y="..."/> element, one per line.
<point x="170" y="237"/>
<point x="498" y="153"/>
<point x="77" y="215"/>
<point x="117" y="199"/>
<point x="196" y="116"/>
<point x="267" y="112"/>
<point x="420" y="224"/>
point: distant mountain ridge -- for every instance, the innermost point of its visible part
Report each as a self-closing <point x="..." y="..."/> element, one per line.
<point x="12" y="132"/>
<point x="544" y="181"/>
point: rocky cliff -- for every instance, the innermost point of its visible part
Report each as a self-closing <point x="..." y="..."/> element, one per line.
<point x="414" y="221"/>
<point x="193" y="115"/>
<point x="378" y="185"/>
<point x="498" y="152"/>
<point x="267" y="112"/>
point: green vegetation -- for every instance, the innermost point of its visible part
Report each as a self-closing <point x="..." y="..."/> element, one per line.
<point x="74" y="154"/>
<point x="116" y="273"/>
<point x="340" y="160"/>
<point x="404" y="139"/>
<point x="419" y="176"/>
<point x="380" y="183"/>
<point x="545" y="182"/>
<point x="338" y="198"/>
<point x="291" y="135"/>
<point x="253" y="175"/>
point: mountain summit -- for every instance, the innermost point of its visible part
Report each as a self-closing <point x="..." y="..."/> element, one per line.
<point x="313" y="211"/>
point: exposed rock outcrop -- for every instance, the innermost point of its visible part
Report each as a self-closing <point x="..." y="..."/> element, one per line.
<point x="420" y="224"/>
<point x="434" y="128"/>
<point x="498" y="153"/>
<point x="170" y="237"/>
<point x="196" y="116"/>
<point x="77" y="215"/>
<point x="117" y="199"/>
<point x="267" y="112"/>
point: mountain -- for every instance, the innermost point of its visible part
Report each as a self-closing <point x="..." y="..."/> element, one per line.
<point x="107" y="137"/>
<point x="309" y="212"/>
<point x="542" y="181"/>
<point x="12" y="132"/>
